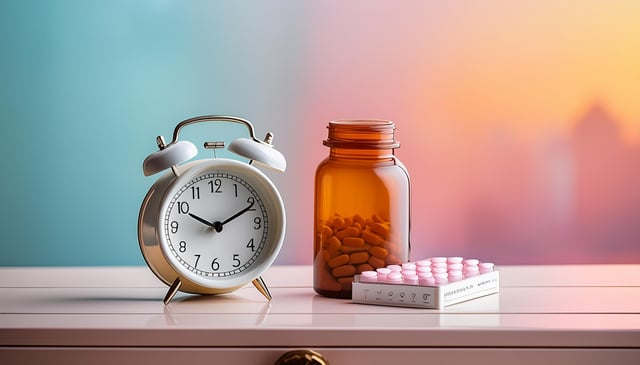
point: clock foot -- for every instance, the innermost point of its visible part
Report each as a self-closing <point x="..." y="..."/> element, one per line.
<point x="262" y="287"/>
<point x="173" y="289"/>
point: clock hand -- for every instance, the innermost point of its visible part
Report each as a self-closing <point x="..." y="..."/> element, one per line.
<point x="218" y="225"/>
<point x="201" y="220"/>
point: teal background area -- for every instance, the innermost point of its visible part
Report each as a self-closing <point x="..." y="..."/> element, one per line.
<point x="85" y="87"/>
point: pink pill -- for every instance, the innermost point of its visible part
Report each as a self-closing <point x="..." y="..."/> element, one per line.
<point x="369" y="276"/>
<point x="382" y="273"/>
<point x="423" y="263"/>
<point x="455" y="267"/>
<point x="438" y="260"/>
<point x="468" y="274"/>
<point x="437" y="270"/>
<point x="471" y="268"/>
<point x="411" y="279"/>
<point x="454" y="260"/>
<point x="471" y="262"/>
<point x="485" y="267"/>
<point x="394" y="268"/>
<point x="440" y="275"/>
<point x="420" y="269"/>
<point x="442" y="281"/>
<point x="455" y="276"/>
<point x="427" y="281"/>
<point x="424" y="275"/>
<point x="394" y="278"/>
<point x="408" y="272"/>
<point x="438" y="264"/>
<point x="408" y="266"/>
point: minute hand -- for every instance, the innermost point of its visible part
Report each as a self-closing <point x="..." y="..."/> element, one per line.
<point x="218" y="225"/>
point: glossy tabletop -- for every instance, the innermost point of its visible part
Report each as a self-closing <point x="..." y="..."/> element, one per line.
<point x="562" y="307"/>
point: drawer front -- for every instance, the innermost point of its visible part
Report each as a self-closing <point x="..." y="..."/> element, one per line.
<point x="334" y="356"/>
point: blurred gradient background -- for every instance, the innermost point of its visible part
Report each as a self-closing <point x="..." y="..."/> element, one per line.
<point x="519" y="121"/>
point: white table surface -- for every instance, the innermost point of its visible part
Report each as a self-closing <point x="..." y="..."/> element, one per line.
<point x="550" y="307"/>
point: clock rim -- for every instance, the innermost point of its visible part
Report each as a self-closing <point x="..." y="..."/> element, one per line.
<point x="170" y="268"/>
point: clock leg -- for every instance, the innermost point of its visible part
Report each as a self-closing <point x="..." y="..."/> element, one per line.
<point x="262" y="287"/>
<point x="173" y="289"/>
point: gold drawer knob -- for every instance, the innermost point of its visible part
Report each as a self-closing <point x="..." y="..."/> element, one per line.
<point x="301" y="357"/>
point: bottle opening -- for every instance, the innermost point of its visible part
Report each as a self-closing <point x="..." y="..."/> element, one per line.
<point x="362" y="134"/>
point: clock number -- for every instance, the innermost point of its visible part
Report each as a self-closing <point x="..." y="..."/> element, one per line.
<point x="236" y="260"/>
<point x="235" y="189"/>
<point x="183" y="208"/>
<point x="215" y="265"/>
<point x="251" y="245"/>
<point x="183" y="246"/>
<point x="251" y="201"/>
<point x="216" y="186"/>
<point x="174" y="227"/>
<point x="195" y="192"/>
<point x="197" y="259"/>
<point x="257" y="221"/>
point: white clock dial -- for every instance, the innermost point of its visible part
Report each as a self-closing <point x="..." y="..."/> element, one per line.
<point x="216" y="225"/>
<point x="221" y="225"/>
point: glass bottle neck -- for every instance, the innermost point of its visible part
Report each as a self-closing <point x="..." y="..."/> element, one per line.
<point x="373" y="155"/>
<point x="362" y="140"/>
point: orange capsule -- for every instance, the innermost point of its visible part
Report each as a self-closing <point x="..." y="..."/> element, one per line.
<point x="338" y="222"/>
<point x="344" y="270"/>
<point x="381" y="229"/>
<point x="363" y="267"/>
<point x="371" y="237"/>
<point x="359" y="257"/>
<point x="326" y="232"/>
<point x="376" y="262"/>
<point x="338" y="260"/>
<point x="348" y="232"/>
<point x="353" y="242"/>
<point x="379" y="252"/>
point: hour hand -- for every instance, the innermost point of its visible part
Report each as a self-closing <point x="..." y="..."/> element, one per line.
<point x="201" y="220"/>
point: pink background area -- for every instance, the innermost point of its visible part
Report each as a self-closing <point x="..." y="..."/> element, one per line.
<point x="518" y="122"/>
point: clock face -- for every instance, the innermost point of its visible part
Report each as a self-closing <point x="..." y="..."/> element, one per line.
<point x="222" y="225"/>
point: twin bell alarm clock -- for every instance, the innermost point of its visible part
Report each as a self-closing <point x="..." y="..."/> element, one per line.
<point x="212" y="225"/>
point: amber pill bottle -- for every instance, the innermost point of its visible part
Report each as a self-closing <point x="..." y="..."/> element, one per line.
<point x="362" y="205"/>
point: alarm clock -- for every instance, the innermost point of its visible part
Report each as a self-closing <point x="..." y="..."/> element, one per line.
<point x="212" y="225"/>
